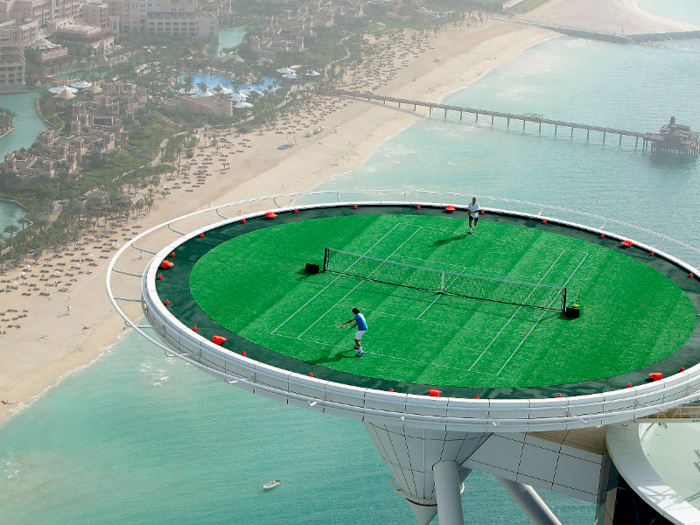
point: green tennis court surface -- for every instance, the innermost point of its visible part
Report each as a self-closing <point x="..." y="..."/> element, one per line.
<point x="254" y="285"/>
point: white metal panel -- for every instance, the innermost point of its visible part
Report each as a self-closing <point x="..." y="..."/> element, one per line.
<point x="577" y="474"/>
<point x="538" y="463"/>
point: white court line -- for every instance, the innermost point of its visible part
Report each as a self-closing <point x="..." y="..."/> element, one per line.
<point x="358" y="284"/>
<point x="538" y="320"/>
<point x="333" y="281"/>
<point x="464" y="269"/>
<point x="433" y="322"/>
<point x="369" y="353"/>
<point x="515" y="313"/>
<point x="490" y="238"/>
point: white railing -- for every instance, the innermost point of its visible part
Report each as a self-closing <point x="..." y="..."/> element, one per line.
<point x="401" y="409"/>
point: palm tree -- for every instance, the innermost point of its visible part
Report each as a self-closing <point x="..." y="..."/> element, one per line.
<point x="189" y="83"/>
<point x="11" y="229"/>
<point x="202" y="86"/>
<point x="24" y="222"/>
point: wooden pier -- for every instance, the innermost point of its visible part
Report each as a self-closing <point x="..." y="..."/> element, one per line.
<point x="524" y="118"/>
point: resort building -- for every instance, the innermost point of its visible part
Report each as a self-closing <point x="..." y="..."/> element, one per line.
<point x="96" y="14"/>
<point x="98" y="40"/>
<point x="12" y="70"/>
<point x="41" y="11"/>
<point x="20" y="34"/>
<point x="48" y="52"/>
<point x="98" y="129"/>
<point x="168" y="17"/>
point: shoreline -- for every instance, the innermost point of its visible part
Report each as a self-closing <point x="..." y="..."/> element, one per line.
<point x="632" y="4"/>
<point x="30" y="368"/>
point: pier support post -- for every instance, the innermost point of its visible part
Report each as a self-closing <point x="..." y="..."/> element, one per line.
<point x="430" y="110"/>
<point x="477" y="117"/>
<point x="523" y="124"/>
<point x="528" y="500"/>
<point x="636" y="143"/>
<point x="603" y="137"/>
<point x="508" y="124"/>
<point x="449" y="502"/>
<point x="399" y="105"/>
<point x="540" y="131"/>
<point x="572" y="132"/>
<point x="620" y="139"/>
<point x="414" y="456"/>
<point x="445" y="112"/>
<point x="491" y="120"/>
<point x="588" y="133"/>
<point x="414" y="107"/>
<point x="556" y="127"/>
<point x="460" y="115"/>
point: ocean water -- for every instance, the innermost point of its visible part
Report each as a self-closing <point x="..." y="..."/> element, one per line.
<point x="684" y="11"/>
<point x="142" y="438"/>
<point x="632" y="87"/>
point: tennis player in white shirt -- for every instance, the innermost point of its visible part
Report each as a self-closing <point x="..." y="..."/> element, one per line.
<point x="473" y="214"/>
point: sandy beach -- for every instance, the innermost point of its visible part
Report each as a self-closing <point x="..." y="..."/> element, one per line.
<point x="48" y="341"/>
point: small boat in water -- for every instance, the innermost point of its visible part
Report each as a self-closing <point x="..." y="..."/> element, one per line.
<point x="271" y="484"/>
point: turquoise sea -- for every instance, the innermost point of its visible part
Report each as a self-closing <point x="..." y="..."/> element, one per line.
<point x="138" y="438"/>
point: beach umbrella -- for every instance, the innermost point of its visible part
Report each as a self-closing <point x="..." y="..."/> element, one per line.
<point x="285" y="71"/>
<point x="243" y="105"/>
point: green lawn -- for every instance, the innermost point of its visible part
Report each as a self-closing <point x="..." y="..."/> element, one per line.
<point x="632" y="316"/>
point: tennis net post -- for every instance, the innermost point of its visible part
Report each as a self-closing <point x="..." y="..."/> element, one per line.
<point x="531" y="295"/>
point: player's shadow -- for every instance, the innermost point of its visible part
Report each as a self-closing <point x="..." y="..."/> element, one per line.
<point x="344" y="354"/>
<point x="443" y="242"/>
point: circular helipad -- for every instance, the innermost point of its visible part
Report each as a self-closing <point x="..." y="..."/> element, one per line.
<point x="468" y="314"/>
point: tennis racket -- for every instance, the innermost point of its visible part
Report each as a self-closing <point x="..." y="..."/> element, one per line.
<point x="338" y="324"/>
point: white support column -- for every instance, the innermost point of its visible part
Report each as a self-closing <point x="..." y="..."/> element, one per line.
<point x="527" y="499"/>
<point x="449" y="500"/>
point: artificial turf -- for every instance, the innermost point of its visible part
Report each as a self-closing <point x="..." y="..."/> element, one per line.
<point x="254" y="285"/>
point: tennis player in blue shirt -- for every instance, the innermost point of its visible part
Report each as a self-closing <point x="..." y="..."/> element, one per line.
<point x="361" y="324"/>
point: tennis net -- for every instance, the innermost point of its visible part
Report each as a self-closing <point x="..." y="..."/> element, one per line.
<point x="531" y="295"/>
